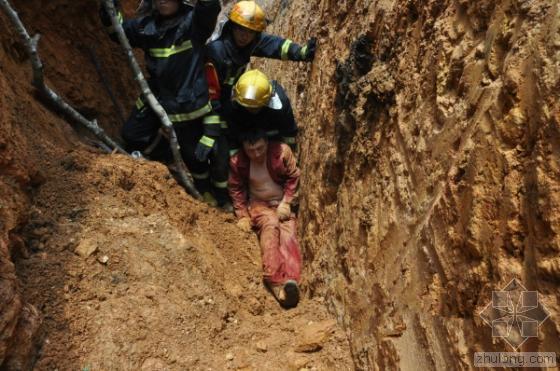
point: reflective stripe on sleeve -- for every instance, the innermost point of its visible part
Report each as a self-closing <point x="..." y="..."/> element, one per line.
<point x="207" y="141"/>
<point x="303" y="52"/>
<point x="212" y="120"/>
<point x="139" y="104"/>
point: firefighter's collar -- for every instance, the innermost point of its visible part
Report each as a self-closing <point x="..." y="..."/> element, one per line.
<point x="275" y="103"/>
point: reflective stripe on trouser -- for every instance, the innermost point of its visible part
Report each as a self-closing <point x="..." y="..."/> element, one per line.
<point x="212" y="125"/>
<point x="212" y="120"/>
<point x="207" y="141"/>
<point x="281" y="255"/>
<point x="220" y="184"/>
<point x="201" y="176"/>
<point x="179" y="117"/>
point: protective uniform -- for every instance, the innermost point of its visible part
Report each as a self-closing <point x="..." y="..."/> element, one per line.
<point x="275" y="116"/>
<point x="226" y="62"/>
<point x="174" y="56"/>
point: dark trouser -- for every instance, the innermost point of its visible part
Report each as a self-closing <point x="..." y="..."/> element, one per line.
<point x="141" y="129"/>
<point x="219" y="169"/>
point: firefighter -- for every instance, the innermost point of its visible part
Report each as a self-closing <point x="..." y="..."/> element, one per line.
<point x="261" y="103"/>
<point x="240" y="38"/>
<point x="172" y="35"/>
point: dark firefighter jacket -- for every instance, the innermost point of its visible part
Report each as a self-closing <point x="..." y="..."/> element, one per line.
<point x="276" y="119"/>
<point x="230" y="61"/>
<point x="174" y="53"/>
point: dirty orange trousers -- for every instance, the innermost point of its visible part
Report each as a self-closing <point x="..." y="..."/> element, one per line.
<point x="281" y="256"/>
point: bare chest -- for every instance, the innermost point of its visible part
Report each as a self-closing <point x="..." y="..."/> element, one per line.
<point x="261" y="184"/>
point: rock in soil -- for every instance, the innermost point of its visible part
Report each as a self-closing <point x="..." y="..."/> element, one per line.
<point x="314" y="336"/>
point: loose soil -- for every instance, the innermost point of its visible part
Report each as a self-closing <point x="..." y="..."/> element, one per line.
<point x="171" y="284"/>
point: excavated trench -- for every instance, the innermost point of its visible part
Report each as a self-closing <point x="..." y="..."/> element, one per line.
<point x="430" y="148"/>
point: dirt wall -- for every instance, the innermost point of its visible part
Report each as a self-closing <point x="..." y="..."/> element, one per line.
<point x="430" y="145"/>
<point x="32" y="134"/>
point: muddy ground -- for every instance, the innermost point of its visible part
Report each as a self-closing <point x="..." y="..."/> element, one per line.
<point x="169" y="284"/>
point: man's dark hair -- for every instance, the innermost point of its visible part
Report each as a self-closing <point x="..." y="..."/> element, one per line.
<point x="252" y="136"/>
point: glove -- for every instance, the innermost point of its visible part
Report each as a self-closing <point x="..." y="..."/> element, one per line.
<point x="245" y="224"/>
<point x="203" y="148"/>
<point x="283" y="211"/>
<point x="308" y="51"/>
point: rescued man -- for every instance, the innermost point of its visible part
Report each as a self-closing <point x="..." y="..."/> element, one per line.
<point x="262" y="182"/>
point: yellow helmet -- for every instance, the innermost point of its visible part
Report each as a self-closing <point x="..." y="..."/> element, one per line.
<point x="252" y="90"/>
<point x="249" y="15"/>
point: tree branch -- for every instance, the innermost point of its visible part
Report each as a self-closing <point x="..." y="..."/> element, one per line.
<point x="184" y="175"/>
<point x="39" y="82"/>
